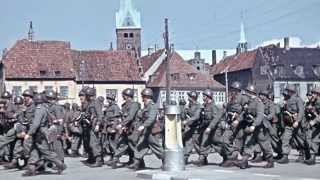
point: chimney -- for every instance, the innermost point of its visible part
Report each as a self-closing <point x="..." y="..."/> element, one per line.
<point x="150" y="51"/>
<point x="197" y="55"/>
<point x="214" y="57"/>
<point x="224" y="54"/>
<point x="4" y="53"/>
<point x="278" y="45"/>
<point x="172" y="48"/>
<point x="286" y="43"/>
<point x="111" y="46"/>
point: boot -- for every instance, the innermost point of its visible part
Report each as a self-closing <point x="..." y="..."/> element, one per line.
<point x="300" y="159"/>
<point x="202" y="161"/>
<point x="12" y="165"/>
<point x="140" y="165"/>
<point x="257" y="159"/>
<point x="31" y="171"/>
<point x="243" y="163"/>
<point x="98" y="163"/>
<point x="110" y="161"/>
<point x="131" y="161"/>
<point x="114" y="163"/>
<point x="284" y="159"/>
<point x="311" y="160"/>
<point x="74" y="154"/>
<point x="186" y="160"/>
<point x="278" y="157"/>
<point x="61" y="167"/>
<point x="270" y="164"/>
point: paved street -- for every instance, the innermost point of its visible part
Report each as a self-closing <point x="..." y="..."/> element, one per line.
<point x="76" y="170"/>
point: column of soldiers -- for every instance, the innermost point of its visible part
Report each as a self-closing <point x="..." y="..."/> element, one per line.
<point x="36" y="132"/>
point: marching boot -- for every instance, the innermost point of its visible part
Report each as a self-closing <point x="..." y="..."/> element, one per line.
<point x="12" y="165"/>
<point x="202" y="161"/>
<point x="278" y="157"/>
<point x="114" y="163"/>
<point x="98" y="163"/>
<point x="284" y="159"/>
<point x="186" y="160"/>
<point x="311" y="160"/>
<point x="61" y="167"/>
<point x="300" y="159"/>
<point x="74" y="154"/>
<point x="31" y="171"/>
<point x="110" y="161"/>
<point x="257" y="159"/>
<point x="243" y="163"/>
<point x="131" y="161"/>
<point x="270" y="164"/>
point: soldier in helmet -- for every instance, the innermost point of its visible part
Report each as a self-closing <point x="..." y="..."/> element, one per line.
<point x="111" y="120"/>
<point x="255" y="130"/>
<point x="75" y="130"/>
<point x="56" y="114"/>
<point x="144" y="138"/>
<point x="91" y="128"/>
<point x="293" y="112"/>
<point x="211" y="116"/>
<point x="191" y="124"/>
<point x="312" y="126"/>
<point x="129" y="112"/>
<point x="38" y="132"/>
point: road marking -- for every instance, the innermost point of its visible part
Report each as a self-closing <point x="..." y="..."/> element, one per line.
<point x="266" y="175"/>
<point x="225" y="171"/>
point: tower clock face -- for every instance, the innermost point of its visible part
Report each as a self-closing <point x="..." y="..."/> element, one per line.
<point x="128" y="46"/>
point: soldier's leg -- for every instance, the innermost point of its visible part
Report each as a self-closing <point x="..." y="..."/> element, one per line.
<point x="311" y="147"/>
<point x="17" y="153"/>
<point x="75" y="144"/>
<point x="58" y="149"/>
<point x="188" y="143"/>
<point x="7" y="138"/>
<point x="155" y="146"/>
<point x="248" y="149"/>
<point x="264" y="142"/>
<point x="286" y="148"/>
<point x="95" y="145"/>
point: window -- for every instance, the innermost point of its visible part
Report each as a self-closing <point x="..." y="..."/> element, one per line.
<point x="191" y="76"/>
<point x="299" y="71"/>
<point x="48" y="88"/>
<point x="112" y="92"/>
<point x="310" y="86"/>
<point x="57" y="73"/>
<point x="33" y="88"/>
<point x="297" y="88"/>
<point x="282" y="86"/>
<point x="131" y="35"/>
<point x="129" y="46"/>
<point x="279" y="70"/>
<point x="125" y="35"/>
<point x="16" y="90"/>
<point x="64" y="91"/>
<point x="136" y="95"/>
<point x="316" y="70"/>
<point x="198" y="68"/>
<point x="175" y="76"/>
<point x="263" y="70"/>
<point x="43" y="73"/>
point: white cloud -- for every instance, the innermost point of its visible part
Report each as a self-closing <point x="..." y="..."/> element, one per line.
<point x="294" y="42"/>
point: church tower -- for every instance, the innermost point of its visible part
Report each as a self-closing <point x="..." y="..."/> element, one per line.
<point x="243" y="44"/>
<point x="128" y="28"/>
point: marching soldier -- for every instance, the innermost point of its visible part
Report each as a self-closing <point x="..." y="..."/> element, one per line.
<point x="75" y="130"/>
<point x="111" y="120"/>
<point x="255" y="129"/>
<point x="293" y="118"/>
<point x="142" y="135"/>
<point x="208" y="137"/>
<point x="39" y="133"/>
<point x="91" y="123"/>
<point x="129" y="110"/>
<point x="191" y="125"/>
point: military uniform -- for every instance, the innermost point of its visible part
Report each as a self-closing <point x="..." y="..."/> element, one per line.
<point x="192" y="123"/>
<point x="75" y="130"/>
<point x="39" y="132"/>
<point x="293" y="114"/>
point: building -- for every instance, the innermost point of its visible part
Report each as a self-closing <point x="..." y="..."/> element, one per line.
<point x="273" y="67"/>
<point x="184" y="78"/>
<point x="199" y="63"/>
<point x="128" y="28"/>
<point x="41" y="65"/>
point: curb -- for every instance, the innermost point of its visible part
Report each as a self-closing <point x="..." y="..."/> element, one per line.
<point x="160" y="176"/>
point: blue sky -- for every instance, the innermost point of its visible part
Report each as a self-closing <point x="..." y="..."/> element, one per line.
<point x="202" y="24"/>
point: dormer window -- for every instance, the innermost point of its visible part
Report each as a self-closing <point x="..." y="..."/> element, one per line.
<point x="43" y="73"/>
<point x="191" y="76"/>
<point x="175" y="76"/>
<point x="316" y="70"/>
<point x="298" y="70"/>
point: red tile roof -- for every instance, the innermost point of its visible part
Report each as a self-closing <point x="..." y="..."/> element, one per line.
<point x="183" y="70"/>
<point x="27" y="58"/>
<point x="105" y="66"/>
<point x="148" y="60"/>
<point x="236" y="62"/>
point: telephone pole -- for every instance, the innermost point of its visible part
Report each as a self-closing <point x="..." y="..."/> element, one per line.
<point x="168" y="53"/>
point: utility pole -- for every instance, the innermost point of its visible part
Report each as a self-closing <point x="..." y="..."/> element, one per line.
<point x="168" y="52"/>
<point x="226" y="83"/>
<point x="174" y="154"/>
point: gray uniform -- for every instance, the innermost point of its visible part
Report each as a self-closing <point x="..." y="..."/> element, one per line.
<point x="145" y="139"/>
<point x="191" y="131"/>
<point x="39" y="132"/>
